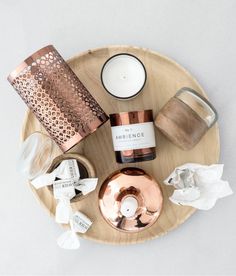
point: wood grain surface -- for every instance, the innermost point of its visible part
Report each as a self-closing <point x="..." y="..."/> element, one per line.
<point x="164" y="78"/>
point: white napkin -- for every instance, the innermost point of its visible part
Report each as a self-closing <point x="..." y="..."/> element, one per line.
<point x="197" y="185"/>
<point x="66" y="170"/>
<point x="68" y="240"/>
<point x="79" y="223"/>
<point x="63" y="191"/>
<point x="64" y="188"/>
<point x="86" y="185"/>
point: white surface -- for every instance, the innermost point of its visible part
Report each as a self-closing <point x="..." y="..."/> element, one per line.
<point x="200" y="35"/>
<point x="123" y="76"/>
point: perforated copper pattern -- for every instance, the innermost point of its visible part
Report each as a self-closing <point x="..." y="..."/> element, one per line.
<point x="57" y="97"/>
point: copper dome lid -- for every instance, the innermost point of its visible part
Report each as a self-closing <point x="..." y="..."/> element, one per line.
<point x="130" y="200"/>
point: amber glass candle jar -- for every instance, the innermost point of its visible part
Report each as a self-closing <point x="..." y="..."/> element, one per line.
<point x="185" y="118"/>
<point x="133" y="136"/>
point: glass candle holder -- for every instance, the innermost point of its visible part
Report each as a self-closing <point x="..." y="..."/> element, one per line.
<point x="133" y="136"/>
<point x="185" y="118"/>
<point x="123" y="76"/>
<point x="36" y="155"/>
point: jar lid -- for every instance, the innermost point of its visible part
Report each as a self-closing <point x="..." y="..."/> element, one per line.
<point x="131" y="117"/>
<point x="199" y="104"/>
<point x="130" y="200"/>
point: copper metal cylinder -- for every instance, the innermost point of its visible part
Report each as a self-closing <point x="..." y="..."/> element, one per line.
<point x="57" y="97"/>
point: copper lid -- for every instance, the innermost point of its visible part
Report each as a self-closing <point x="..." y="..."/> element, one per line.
<point x="131" y="117"/>
<point x="130" y="200"/>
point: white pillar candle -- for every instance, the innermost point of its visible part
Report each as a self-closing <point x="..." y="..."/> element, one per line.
<point x="123" y="76"/>
<point x="129" y="206"/>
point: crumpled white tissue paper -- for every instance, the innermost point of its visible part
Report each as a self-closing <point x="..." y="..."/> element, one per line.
<point x="198" y="185"/>
<point x="79" y="223"/>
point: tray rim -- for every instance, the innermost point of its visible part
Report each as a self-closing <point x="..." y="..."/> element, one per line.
<point x="187" y="72"/>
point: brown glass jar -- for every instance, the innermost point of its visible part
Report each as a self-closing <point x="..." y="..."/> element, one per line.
<point x="133" y="136"/>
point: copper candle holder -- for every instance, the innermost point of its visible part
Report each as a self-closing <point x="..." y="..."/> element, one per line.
<point x="57" y="97"/>
<point x="130" y="200"/>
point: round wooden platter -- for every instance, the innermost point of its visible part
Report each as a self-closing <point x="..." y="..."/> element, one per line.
<point x="164" y="78"/>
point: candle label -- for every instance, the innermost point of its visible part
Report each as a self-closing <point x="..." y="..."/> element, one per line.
<point x="133" y="136"/>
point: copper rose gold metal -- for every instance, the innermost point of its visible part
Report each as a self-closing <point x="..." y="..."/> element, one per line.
<point x="57" y="97"/>
<point x="125" y="183"/>
<point x="132" y="117"/>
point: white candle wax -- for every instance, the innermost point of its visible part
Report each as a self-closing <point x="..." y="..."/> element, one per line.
<point x="123" y="76"/>
<point x="129" y="206"/>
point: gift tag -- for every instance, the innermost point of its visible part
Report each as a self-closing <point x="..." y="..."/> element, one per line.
<point x="80" y="223"/>
<point x="64" y="189"/>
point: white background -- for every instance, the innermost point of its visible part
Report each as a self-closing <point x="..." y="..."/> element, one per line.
<point x="200" y="35"/>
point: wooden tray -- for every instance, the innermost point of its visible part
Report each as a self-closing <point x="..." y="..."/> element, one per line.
<point x="164" y="78"/>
